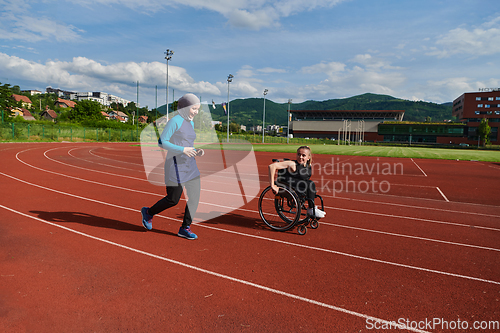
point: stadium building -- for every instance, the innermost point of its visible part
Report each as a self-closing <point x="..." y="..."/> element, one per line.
<point x="471" y="107"/>
<point x="335" y="124"/>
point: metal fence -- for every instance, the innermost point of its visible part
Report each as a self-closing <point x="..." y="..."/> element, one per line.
<point x="37" y="132"/>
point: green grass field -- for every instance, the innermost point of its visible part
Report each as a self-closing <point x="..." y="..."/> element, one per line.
<point x="391" y="151"/>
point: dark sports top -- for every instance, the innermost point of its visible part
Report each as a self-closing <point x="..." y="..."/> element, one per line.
<point x="301" y="172"/>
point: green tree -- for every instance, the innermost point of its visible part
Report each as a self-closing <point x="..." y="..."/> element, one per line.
<point x="86" y="110"/>
<point x="173" y="106"/>
<point x="484" y="131"/>
<point x="234" y="127"/>
<point x="5" y="101"/>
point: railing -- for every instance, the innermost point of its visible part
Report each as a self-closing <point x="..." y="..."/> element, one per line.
<point x="37" y="132"/>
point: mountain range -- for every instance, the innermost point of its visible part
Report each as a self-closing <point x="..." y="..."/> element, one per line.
<point x="249" y="111"/>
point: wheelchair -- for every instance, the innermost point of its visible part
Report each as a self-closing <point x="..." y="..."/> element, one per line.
<point x="286" y="209"/>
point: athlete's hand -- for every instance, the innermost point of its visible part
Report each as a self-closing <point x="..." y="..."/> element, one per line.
<point x="275" y="189"/>
<point x="189" y="151"/>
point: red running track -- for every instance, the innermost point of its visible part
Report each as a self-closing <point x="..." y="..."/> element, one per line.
<point x="424" y="251"/>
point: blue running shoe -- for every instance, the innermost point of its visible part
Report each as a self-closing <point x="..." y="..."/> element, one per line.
<point x="147" y="220"/>
<point x="186" y="233"/>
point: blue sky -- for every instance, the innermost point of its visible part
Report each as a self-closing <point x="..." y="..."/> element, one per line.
<point x="427" y="50"/>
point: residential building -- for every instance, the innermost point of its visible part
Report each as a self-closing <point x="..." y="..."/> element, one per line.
<point x="32" y="92"/>
<point x="65" y="103"/>
<point x="118" y="115"/>
<point x="101" y="97"/>
<point x="49" y="114"/>
<point x="60" y="93"/>
<point x="21" y="112"/>
<point x="25" y="101"/>
<point x="471" y="107"/>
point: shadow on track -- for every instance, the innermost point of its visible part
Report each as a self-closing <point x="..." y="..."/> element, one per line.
<point x="234" y="220"/>
<point x="93" y="221"/>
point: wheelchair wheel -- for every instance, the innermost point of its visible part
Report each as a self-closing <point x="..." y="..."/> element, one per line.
<point x="279" y="211"/>
<point x="302" y="229"/>
<point x="314" y="224"/>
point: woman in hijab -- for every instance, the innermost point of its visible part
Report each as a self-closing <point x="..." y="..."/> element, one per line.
<point x="180" y="166"/>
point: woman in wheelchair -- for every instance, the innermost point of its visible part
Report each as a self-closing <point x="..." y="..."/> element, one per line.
<point x="295" y="175"/>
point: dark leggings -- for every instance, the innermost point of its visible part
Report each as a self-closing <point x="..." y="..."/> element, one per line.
<point x="174" y="195"/>
<point x="303" y="187"/>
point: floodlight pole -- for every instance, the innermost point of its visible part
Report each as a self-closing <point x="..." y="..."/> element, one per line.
<point x="229" y="79"/>
<point x="168" y="56"/>
<point x="137" y="106"/>
<point x="288" y="122"/>
<point x="264" y="115"/>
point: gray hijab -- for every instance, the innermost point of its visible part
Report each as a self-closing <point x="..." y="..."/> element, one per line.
<point x="184" y="105"/>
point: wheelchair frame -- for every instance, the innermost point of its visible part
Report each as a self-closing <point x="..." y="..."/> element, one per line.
<point x="284" y="210"/>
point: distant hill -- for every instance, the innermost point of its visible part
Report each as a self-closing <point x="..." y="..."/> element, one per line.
<point x="249" y="111"/>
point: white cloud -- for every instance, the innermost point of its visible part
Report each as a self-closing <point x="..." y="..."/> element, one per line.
<point x="16" y="24"/>
<point x="82" y="74"/>
<point x="375" y="76"/>
<point x="252" y="14"/>
<point x="245" y="72"/>
<point x="254" y="20"/>
<point x="372" y="63"/>
<point x="269" y="70"/>
<point x="484" y="40"/>
<point x="328" y="68"/>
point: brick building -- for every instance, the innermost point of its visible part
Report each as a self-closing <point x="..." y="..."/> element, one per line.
<point x="471" y="107"/>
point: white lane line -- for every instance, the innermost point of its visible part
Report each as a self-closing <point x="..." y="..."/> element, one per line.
<point x="269" y="239"/>
<point x="413" y="218"/>
<point x="413" y="237"/>
<point x="255" y="212"/>
<point x="324" y="195"/>
<point x="219" y="275"/>
<point x="444" y="196"/>
<point x="416" y="207"/>
<point x="419" y="167"/>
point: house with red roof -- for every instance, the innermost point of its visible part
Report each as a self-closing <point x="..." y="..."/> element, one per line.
<point x="22" y="113"/>
<point x="49" y="114"/>
<point x="63" y="103"/>
<point x="25" y="101"/>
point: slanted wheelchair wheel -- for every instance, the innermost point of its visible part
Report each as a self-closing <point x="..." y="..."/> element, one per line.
<point x="302" y="229"/>
<point x="279" y="211"/>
